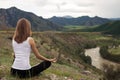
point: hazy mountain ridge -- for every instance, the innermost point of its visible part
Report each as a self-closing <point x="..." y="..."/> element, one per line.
<point x="114" y="18"/>
<point x="109" y="28"/>
<point x="83" y="20"/>
<point x="9" y="17"/>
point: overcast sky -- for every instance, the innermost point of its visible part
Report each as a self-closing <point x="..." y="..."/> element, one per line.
<point x="75" y="8"/>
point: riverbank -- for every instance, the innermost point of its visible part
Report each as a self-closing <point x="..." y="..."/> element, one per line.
<point x="105" y="53"/>
<point x="97" y="60"/>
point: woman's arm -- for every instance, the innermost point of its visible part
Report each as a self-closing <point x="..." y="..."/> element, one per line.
<point x="36" y="52"/>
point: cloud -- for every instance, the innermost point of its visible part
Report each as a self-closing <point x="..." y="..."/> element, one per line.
<point x="73" y="11"/>
<point x="63" y="3"/>
<point x="41" y="3"/>
<point x="58" y="7"/>
<point x="64" y="6"/>
<point x="85" y="4"/>
<point x="104" y="8"/>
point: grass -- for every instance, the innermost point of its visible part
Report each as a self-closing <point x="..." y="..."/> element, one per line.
<point x="57" y="70"/>
<point x="60" y="71"/>
<point x="73" y="28"/>
<point x="70" y="27"/>
<point x="115" y="51"/>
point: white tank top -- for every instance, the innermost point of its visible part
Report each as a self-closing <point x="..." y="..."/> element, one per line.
<point x="22" y="54"/>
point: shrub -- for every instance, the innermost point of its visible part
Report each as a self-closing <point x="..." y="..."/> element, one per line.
<point x="105" y="54"/>
<point x="110" y="73"/>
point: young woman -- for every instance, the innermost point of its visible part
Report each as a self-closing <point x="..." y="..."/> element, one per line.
<point x="23" y="44"/>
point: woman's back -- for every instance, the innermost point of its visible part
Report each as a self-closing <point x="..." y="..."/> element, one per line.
<point x="22" y="54"/>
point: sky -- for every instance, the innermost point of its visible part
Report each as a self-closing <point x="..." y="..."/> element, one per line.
<point x="75" y="8"/>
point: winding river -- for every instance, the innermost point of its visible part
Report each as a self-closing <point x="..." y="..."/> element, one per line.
<point x="97" y="60"/>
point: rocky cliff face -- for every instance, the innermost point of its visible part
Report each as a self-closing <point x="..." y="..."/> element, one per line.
<point x="9" y="17"/>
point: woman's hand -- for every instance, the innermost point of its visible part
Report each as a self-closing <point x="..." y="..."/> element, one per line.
<point x="53" y="60"/>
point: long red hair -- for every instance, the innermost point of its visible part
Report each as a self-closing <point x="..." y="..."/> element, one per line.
<point x="23" y="30"/>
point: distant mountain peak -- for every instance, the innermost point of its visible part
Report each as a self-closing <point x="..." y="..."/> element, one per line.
<point x="96" y="17"/>
<point x="12" y="7"/>
<point x="67" y="16"/>
<point x="85" y="16"/>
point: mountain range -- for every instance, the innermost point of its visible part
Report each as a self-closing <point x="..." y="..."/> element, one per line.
<point x="114" y="19"/>
<point x="83" y="20"/>
<point x="112" y="27"/>
<point x="10" y="16"/>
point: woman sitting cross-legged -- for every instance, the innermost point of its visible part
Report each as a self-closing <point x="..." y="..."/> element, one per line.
<point x="23" y="44"/>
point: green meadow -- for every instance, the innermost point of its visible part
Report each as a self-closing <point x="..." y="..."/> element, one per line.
<point x="71" y="64"/>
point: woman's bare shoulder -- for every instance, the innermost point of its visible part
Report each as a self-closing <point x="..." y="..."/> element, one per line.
<point x="31" y="40"/>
